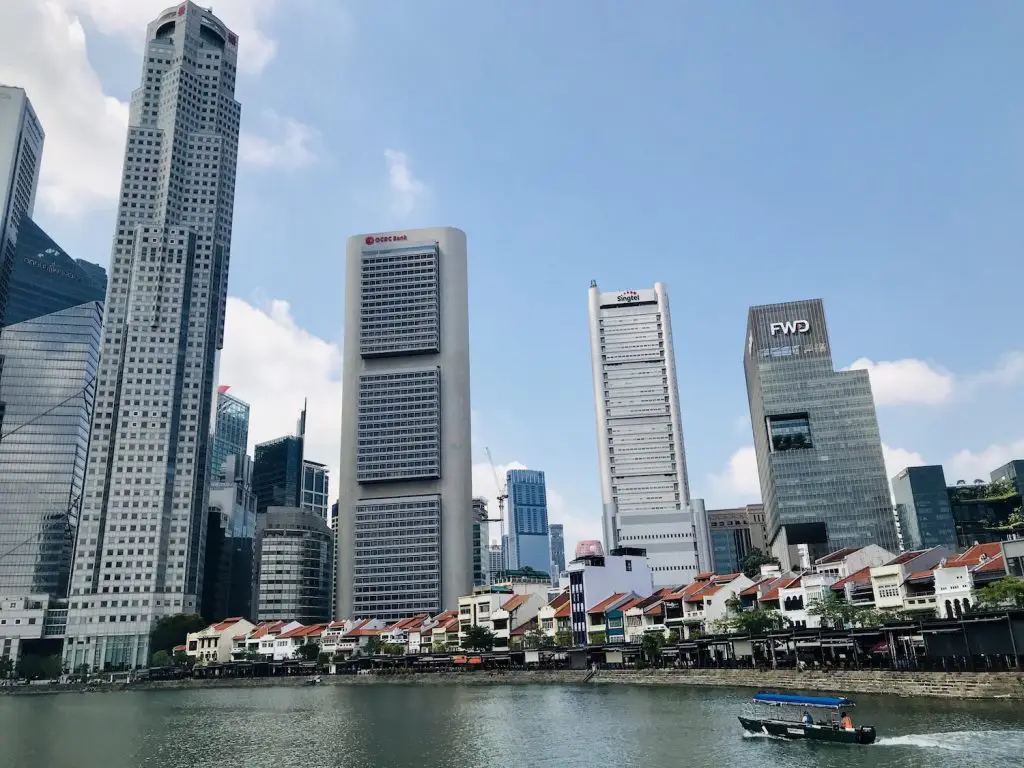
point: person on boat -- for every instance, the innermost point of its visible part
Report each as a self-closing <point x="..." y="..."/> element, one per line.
<point x="807" y="719"/>
<point x="846" y="722"/>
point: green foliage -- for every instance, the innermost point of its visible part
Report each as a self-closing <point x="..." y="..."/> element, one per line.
<point x="478" y="639"/>
<point x="535" y="639"/>
<point x="374" y="646"/>
<point x="652" y="644"/>
<point x="182" y="659"/>
<point x="393" y="649"/>
<point x="1008" y="591"/>
<point x="673" y="637"/>
<point x="6" y="667"/>
<point x="161" y="659"/>
<point x="439" y="646"/>
<point x="979" y="490"/>
<point x="170" y="631"/>
<point x="755" y="622"/>
<point x="563" y="638"/>
<point x="833" y="611"/>
<point x="308" y="651"/>
<point x="597" y="638"/>
<point x="753" y="560"/>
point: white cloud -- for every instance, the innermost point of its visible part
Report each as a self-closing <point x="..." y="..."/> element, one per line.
<point x="897" y="459"/>
<point x="966" y="465"/>
<point x="127" y="19"/>
<point x="738" y="482"/>
<point x="901" y="382"/>
<point x="43" y="50"/>
<point x="287" y="145"/>
<point x="1007" y="372"/>
<point x="406" y="190"/>
<point x="273" y="364"/>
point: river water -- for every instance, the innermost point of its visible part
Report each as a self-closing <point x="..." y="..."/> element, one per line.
<point x="442" y="726"/>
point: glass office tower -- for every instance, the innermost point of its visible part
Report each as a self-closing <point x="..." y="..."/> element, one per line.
<point x="315" y="487"/>
<point x="50" y="346"/>
<point x="923" y="509"/>
<point x="556" y="532"/>
<point x="819" y="453"/>
<point x="277" y="476"/>
<point x="529" y="546"/>
<point x="231" y="437"/>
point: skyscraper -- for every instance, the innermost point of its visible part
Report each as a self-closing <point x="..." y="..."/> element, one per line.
<point x="51" y="346"/>
<point x="143" y="525"/>
<point x="529" y="546"/>
<point x="481" y="562"/>
<point x="405" y="484"/>
<point x="733" y="533"/>
<point x="277" y="474"/>
<point x="315" y="487"/>
<point x="819" y="453"/>
<point x="231" y="437"/>
<point x="21" y="152"/>
<point x="494" y="561"/>
<point x="295" y="556"/>
<point x="557" y="535"/>
<point x="923" y="510"/>
<point x="230" y="565"/>
<point x="644" y="489"/>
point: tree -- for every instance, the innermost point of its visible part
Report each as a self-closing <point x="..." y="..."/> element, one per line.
<point x="439" y="646"/>
<point x="6" y="667"/>
<point x="535" y="639"/>
<point x="393" y="649"/>
<point x="308" y="651"/>
<point x="1008" y="591"/>
<point x="563" y="638"/>
<point x="652" y="644"/>
<point x="374" y="646"/>
<point x="182" y="659"/>
<point x="833" y="611"/>
<point x="753" y="560"/>
<point x="598" y="638"/>
<point x="673" y="637"/>
<point x="161" y="659"/>
<point x="170" y="631"/>
<point x="755" y="622"/>
<point x="874" y="617"/>
<point x="478" y="639"/>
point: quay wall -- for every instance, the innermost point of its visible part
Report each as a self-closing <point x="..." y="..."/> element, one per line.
<point x="991" y="685"/>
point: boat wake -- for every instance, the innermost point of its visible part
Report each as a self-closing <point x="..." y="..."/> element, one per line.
<point x="979" y="742"/>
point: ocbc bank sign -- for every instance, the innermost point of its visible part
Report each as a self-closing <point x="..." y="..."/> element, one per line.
<point x="790" y="326"/>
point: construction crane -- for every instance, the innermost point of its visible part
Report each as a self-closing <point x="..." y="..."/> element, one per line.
<point x="502" y="495"/>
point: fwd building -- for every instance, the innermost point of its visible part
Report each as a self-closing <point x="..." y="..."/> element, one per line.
<point x="644" y="490"/>
<point x="405" y="483"/>
<point x="819" y="453"/>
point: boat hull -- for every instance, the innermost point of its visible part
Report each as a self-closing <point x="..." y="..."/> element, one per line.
<point x="788" y="729"/>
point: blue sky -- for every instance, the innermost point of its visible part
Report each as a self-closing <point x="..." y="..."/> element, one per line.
<point x="866" y="153"/>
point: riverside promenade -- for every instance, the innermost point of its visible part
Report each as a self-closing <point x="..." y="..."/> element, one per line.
<point x="956" y="685"/>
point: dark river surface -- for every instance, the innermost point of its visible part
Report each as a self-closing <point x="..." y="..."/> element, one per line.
<point x="428" y="726"/>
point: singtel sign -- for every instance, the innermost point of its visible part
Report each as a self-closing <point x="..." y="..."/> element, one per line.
<point x="627" y="297"/>
<point x="790" y="326"/>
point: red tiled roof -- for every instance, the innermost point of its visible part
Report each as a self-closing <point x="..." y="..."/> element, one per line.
<point x="906" y="557"/>
<point x="703" y="575"/>
<point x="654" y="610"/>
<point x="452" y="623"/>
<point x="313" y="630"/>
<point x="220" y="626"/>
<point x="992" y="565"/>
<point x="632" y="603"/>
<point x="561" y="599"/>
<point x="863" y="576"/>
<point x="529" y="626"/>
<point x="177" y="648"/>
<point x="564" y="612"/>
<point x="974" y="555"/>
<point x="754" y="588"/>
<point x="916" y="575"/>
<point x="266" y="628"/>
<point x="603" y="605"/>
<point x="782" y="583"/>
<point x="837" y="557"/>
<point x="515" y="602"/>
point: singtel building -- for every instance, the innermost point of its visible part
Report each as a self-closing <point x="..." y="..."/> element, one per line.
<point x="819" y="453"/>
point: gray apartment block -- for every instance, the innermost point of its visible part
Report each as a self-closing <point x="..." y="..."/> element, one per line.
<point x="819" y="452"/>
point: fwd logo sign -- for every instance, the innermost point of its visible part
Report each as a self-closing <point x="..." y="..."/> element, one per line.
<point x="790" y="326"/>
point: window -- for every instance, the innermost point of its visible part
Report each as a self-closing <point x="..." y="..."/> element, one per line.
<point x="629" y="565"/>
<point x="789" y="432"/>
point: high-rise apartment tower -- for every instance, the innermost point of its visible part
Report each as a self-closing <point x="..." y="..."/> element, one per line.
<point x="644" y="489"/>
<point x="140" y="543"/>
<point x="405" y="484"/>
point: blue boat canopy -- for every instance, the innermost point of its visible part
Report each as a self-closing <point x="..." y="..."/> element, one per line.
<point x="822" y="702"/>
